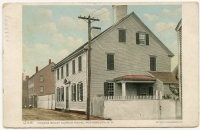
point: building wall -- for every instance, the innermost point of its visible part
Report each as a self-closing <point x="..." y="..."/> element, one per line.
<point x="31" y="91"/>
<point x="74" y="79"/>
<point x="129" y="58"/>
<point x="25" y="98"/>
<point x="47" y="83"/>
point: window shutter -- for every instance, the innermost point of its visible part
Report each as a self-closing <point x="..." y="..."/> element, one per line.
<point x="81" y="91"/>
<point x="78" y="85"/>
<point x="79" y="64"/>
<point x="147" y="39"/>
<point x="108" y="62"/>
<point x="137" y="38"/>
<point x="75" y="92"/>
<point x="72" y="88"/>
<point x="105" y="88"/>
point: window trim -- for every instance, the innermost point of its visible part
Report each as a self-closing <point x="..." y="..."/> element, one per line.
<point x="79" y="93"/>
<point x="146" y="38"/>
<point x="42" y="78"/>
<point x="119" y="36"/>
<point x="75" y="92"/>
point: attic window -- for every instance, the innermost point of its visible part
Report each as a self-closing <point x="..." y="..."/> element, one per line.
<point x="122" y="35"/>
<point x="142" y="38"/>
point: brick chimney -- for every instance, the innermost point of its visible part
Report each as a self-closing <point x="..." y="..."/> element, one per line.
<point x="36" y="69"/>
<point x="49" y="61"/>
<point x="27" y="77"/>
<point x="95" y="31"/>
<point x="119" y="12"/>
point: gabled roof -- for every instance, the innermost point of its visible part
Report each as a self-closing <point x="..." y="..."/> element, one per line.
<point x="165" y="77"/>
<point x="42" y="69"/>
<point x="136" y="78"/>
<point x="69" y="57"/>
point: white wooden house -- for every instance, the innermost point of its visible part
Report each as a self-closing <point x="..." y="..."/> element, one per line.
<point x="121" y="58"/>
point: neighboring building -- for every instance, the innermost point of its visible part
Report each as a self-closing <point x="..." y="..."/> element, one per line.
<point x="41" y="83"/>
<point x="25" y="102"/>
<point x="121" y="57"/>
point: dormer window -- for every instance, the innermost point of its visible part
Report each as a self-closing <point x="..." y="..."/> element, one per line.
<point x="142" y="38"/>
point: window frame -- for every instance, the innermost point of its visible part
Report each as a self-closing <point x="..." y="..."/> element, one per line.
<point x="80" y="92"/>
<point x="138" y="38"/>
<point x="73" y="66"/>
<point x="155" y="67"/>
<point x="67" y="69"/>
<point x="80" y="63"/>
<point x="62" y="98"/>
<point x="42" y="89"/>
<point x="73" y="92"/>
<point x="62" y="72"/>
<point x="42" y="78"/>
<point x="58" y="74"/>
<point x="110" y="66"/>
<point x="58" y="94"/>
<point x="109" y="89"/>
<point x="119" y="38"/>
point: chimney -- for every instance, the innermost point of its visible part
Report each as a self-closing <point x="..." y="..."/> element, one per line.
<point x="119" y="12"/>
<point x="49" y="61"/>
<point x="36" y="69"/>
<point x="95" y="31"/>
<point x="27" y="77"/>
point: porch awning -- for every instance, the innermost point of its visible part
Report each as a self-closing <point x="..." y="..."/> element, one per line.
<point x="135" y="78"/>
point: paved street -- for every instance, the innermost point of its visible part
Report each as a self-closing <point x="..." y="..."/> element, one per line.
<point x="43" y="114"/>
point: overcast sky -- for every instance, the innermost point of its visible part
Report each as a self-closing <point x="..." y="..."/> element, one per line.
<point x="53" y="32"/>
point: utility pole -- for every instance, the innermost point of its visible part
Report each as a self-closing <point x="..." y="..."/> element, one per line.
<point x="89" y="20"/>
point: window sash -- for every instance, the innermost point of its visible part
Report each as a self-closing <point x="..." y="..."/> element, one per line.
<point x="79" y="63"/>
<point x="41" y="79"/>
<point x="73" y="67"/>
<point x="110" y="62"/>
<point x="67" y="70"/>
<point x="41" y="88"/>
<point x="122" y="35"/>
<point x="152" y="63"/>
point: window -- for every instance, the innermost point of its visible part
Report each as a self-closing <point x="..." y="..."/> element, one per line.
<point x="110" y="61"/>
<point x="57" y="74"/>
<point x="79" y="63"/>
<point x="41" y="78"/>
<point x="74" y="92"/>
<point x="108" y="89"/>
<point x="62" y="72"/>
<point x="62" y="93"/>
<point x="80" y="92"/>
<point x="41" y="89"/>
<point x="152" y="63"/>
<point x="58" y="94"/>
<point x="142" y="38"/>
<point x="73" y="67"/>
<point x="122" y="35"/>
<point x="67" y="70"/>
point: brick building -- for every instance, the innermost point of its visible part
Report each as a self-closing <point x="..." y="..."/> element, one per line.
<point x="41" y="83"/>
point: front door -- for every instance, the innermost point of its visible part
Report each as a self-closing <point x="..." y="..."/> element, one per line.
<point x="67" y="97"/>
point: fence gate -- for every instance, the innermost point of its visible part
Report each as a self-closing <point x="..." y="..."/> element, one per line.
<point x="97" y="106"/>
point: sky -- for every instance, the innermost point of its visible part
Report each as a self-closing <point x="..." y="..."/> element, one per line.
<point x="54" y="31"/>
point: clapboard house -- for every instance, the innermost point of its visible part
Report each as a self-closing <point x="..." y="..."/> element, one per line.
<point x="121" y="57"/>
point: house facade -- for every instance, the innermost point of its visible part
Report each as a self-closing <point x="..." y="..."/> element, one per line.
<point x="121" y="57"/>
<point x="41" y="83"/>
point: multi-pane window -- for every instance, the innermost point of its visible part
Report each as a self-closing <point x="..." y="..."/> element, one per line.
<point x="62" y="72"/>
<point x="62" y="93"/>
<point x="142" y="38"/>
<point x="110" y="89"/>
<point x="122" y="35"/>
<point x="80" y="92"/>
<point x="79" y="63"/>
<point x="41" y="89"/>
<point x="67" y="69"/>
<point x="110" y="61"/>
<point x="41" y="78"/>
<point x="73" y="67"/>
<point x="74" y="92"/>
<point x="152" y="63"/>
<point x="57" y="74"/>
<point x="58" y="94"/>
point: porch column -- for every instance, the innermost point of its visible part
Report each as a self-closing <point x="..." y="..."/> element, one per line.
<point x="123" y="90"/>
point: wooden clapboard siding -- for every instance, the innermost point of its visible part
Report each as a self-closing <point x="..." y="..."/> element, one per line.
<point x="73" y="78"/>
<point x="129" y="58"/>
